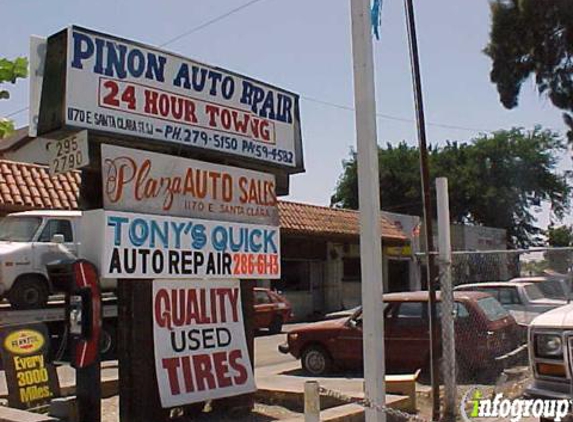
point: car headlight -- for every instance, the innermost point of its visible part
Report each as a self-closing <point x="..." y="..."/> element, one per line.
<point x="548" y="346"/>
<point x="292" y="336"/>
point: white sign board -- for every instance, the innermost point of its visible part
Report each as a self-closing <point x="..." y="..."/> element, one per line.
<point x="122" y="87"/>
<point x="128" y="245"/>
<point x="142" y="181"/>
<point x="37" y="61"/>
<point x="69" y="153"/>
<point x="199" y="341"/>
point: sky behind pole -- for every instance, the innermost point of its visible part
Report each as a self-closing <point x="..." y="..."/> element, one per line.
<point x="304" y="46"/>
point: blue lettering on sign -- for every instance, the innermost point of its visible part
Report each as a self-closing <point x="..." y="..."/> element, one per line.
<point x="159" y="233"/>
<point x="138" y="232"/>
<point x="199" y="237"/>
<point x="178" y="229"/>
<point x="243" y="239"/>
<point x="219" y="238"/>
<point x="115" y="59"/>
<point x="116" y="223"/>
<point x="267" y="103"/>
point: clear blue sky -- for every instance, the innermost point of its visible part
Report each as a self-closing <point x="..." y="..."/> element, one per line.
<point x="304" y="46"/>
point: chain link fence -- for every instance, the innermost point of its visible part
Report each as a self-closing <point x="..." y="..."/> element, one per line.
<point x="491" y="330"/>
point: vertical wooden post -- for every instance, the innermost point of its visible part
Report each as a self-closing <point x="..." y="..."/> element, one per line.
<point x="138" y="394"/>
<point x="243" y="403"/>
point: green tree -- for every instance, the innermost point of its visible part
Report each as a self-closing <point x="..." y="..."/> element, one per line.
<point x="10" y="71"/>
<point x="533" y="38"/>
<point x="496" y="180"/>
<point x="559" y="237"/>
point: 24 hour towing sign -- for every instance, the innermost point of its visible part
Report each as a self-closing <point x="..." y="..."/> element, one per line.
<point x="152" y="246"/>
<point x="140" y="91"/>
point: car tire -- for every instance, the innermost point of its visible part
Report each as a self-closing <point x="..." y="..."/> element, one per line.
<point x="316" y="360"/>
<point x="276" y="325"/>
<point x="29" y="292"/>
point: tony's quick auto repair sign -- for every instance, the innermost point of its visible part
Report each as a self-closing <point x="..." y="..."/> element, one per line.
<point x="129" y="245"/>
<point x="140" y="91"/>
<point x="142" y="181"/>
<point x="199" y="341"/>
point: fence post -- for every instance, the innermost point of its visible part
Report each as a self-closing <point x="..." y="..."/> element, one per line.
<point x="311" y="402"/>
<point x="447" y="296"/>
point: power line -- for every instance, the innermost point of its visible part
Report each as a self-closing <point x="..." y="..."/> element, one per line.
<point x="182" y="35"/>
<point x="390" y="117"/>
<point x="315" y="100"/>
<point x="210" y="22"/>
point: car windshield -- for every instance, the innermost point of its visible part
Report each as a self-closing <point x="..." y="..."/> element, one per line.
<point x="552" y="289"/>
<point x="492" y="308"/>
<point x="19" y="229"/>
<point x="533" y="293"/>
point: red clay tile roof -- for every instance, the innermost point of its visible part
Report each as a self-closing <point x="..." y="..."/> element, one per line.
<point x="317" y="220"/>
<point x="26" y="186"/>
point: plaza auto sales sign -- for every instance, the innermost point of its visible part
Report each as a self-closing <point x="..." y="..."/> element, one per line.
<point x="142" y="181"/>
<point x="200" y="346"/>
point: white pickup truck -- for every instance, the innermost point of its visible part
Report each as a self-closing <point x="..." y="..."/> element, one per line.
<point x="28" y="241"/>
<point x="550" y="345"/>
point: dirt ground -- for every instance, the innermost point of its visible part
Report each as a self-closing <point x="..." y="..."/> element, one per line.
<point x="261" y="413"/>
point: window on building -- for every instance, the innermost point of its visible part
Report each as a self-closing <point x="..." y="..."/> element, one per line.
<point x="295" y="276"/>
<point x="63" y="227"/>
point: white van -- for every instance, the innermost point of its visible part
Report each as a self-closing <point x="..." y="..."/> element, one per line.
<point x="28" y="241"/>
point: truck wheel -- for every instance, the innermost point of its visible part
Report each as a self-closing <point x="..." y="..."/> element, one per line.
<point x="276" y="325"/>
<point x="108" y="343"/>
<point x="316" y="360"/>
<point x="28" y="293"/>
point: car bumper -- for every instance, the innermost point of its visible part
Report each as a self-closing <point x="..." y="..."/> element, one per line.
<point x="513" y="355"/>
<point x="283" y="348"/>
<point x="548" y="390"/>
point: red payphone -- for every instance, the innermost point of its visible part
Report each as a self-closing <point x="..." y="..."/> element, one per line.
<point x="79" y="279"/>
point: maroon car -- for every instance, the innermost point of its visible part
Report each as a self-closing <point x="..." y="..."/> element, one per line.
<point x="271" y="310"/>
<point x="484" y="331"/>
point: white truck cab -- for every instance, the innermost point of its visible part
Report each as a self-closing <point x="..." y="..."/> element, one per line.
<point x="28" y="241"/>
<point x="550" y="344"/>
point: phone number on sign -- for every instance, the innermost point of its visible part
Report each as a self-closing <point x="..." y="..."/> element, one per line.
<point x="228" y="143"/>
<point x="261" y="264"/>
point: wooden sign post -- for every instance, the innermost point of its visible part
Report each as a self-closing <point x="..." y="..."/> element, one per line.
<point x="185" y="164"/>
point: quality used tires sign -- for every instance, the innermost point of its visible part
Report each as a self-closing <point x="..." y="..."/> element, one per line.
<point x="199" y="341"/>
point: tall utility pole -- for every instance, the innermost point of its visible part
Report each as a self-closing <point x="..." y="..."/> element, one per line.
<point x="447" y="299"/>
<point x="427" y="200"/>
<point x="369" y="204"/>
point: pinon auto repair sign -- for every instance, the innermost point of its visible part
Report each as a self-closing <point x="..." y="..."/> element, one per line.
<point x="133" y="90"/>
<point x="130" y="245"/>
<point x="199" y="341"/>
<point x="141" y="181"/>
<point x="30" y="376"/>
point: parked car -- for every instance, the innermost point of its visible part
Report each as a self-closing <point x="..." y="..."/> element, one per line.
<point x="484" y="331"/>
<point x="550" y="354"/>
<point x="341" y="314"/>
<point x="552" y="287"/>
<point x="524" y="300"/>
<point x="271" y="310"/>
